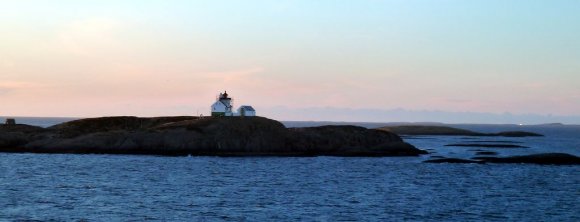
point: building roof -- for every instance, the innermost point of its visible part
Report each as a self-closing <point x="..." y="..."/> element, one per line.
<point x="247" y="108"/>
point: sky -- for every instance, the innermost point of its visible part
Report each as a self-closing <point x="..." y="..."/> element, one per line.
<point x="292" y="60"/>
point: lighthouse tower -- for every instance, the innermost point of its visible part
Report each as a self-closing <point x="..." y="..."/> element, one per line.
<point x="222" y="106"/>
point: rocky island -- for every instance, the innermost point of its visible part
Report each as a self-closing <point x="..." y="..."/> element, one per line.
<point x="214" y="136"/>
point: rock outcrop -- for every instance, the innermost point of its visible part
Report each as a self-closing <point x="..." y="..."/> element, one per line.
<point x="416" y="130"/>
<point x="542" y="158"/>
<point x="18" y="135"/>
<point x="516" y="134"/>
<point x="350" y="141"/>
<point x="429" y="130"/>
<point x="222" y="136"/>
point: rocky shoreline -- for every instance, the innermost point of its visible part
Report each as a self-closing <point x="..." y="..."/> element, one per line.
<point x="227" y="137"/>
<point x="210" y="136"/>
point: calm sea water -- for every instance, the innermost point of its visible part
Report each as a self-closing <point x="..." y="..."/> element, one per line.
<point x="155" y="188"/>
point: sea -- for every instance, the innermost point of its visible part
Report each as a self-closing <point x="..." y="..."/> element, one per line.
<point x="69" y="187"/>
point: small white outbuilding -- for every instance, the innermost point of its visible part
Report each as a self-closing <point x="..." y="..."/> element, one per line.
<point x="246" y="111"/>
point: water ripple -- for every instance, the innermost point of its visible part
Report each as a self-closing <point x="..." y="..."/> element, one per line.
<point x="148" y="188"/>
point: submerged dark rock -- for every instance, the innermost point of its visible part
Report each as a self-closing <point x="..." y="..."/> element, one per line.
<point x="437" y="157"/>
<point x="518" y="134"/>
<point x="491" y="141"/>
<point x="451" y="160"/>
<point x="542" y="158"/>
<point x="221" y="136"/>
<point x="486" y="145"/>
<point x="486" y="153"/>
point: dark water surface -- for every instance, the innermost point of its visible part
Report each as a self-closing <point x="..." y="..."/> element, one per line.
<point x="153" y="188"/>
<point x="108" y="187"/>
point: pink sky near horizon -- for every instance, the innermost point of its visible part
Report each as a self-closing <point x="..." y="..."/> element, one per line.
<point x="124" y="62"/>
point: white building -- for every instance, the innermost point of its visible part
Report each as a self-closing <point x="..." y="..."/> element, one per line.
<point x="224" y="104"/>
<point x="246" y="111"/>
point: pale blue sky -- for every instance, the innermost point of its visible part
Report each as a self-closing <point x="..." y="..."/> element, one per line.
<point x="171" y="57"/>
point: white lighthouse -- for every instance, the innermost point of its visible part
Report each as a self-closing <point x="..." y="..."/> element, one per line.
<point x="223" y="106"/>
